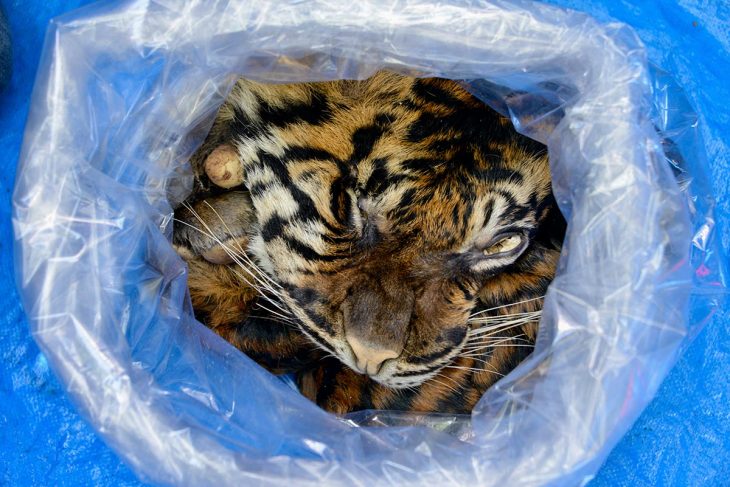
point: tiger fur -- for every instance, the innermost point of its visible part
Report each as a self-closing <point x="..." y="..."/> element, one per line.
<point x="380" y="229"/>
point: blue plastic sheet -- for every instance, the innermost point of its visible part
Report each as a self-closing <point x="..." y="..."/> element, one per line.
<point x="37" y="367"/>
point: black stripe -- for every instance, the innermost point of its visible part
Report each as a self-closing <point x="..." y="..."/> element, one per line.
<point x="431" y="357"/>
<point x="307" y="210"/>
<point x="341" y="205"/>
<point x="511" y="201"/>
<point x="380" y="178"/>
<point x="308" y="252"/>
<point x="425" y="371"/>
<point x="407" y="198"/>
<point x="364" y="138"/>
<point x="455" y="215"/>
<point x="319" y="321"/>
<point x="314" y="112"/>
<point x="454" y="336"/>
<point x="468" y="295"/>
<point x="488" y="209"/>
<point x="468" y="209"/>
<point x="304" y="153"/>
<point x="454" y="400"/>
<point x="273" y="228"/>
<point x="429" y="92"/>
<point x="242" y="126"/>
<point x="426" y="125"/>
<point x="420" y="165"/>
<point x="303" y="295"/>
<point x="329" y="384"/>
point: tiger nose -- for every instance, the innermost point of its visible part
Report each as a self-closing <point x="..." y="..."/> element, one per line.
<point x="369" y="358"/>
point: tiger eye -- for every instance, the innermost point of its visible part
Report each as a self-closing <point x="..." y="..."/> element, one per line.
<point x="505" y="245"/>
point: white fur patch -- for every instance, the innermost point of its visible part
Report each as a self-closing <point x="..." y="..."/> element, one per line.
<point x="242" y="97"/>
<point x="309" y="233"/>
<point x="259" y="175"/>
<point x="274" y="200"/>
<point x="289" y="263"/>
<point x="248" y="149"/>
<point x="257" y="247"/>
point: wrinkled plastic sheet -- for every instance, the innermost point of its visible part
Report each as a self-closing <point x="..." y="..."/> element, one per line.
<point x="124" y="96"/>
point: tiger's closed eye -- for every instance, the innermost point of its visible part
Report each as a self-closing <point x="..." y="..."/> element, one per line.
<point x="363" y="206"/>
<point x="360" y="212"/>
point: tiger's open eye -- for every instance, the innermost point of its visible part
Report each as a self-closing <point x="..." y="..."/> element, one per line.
<point x="509" y="244"/>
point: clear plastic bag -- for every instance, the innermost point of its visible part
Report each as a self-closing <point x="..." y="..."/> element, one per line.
<point x="126" y="92"/>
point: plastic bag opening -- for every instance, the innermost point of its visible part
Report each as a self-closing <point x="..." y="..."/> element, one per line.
<point x="125" y="88"/>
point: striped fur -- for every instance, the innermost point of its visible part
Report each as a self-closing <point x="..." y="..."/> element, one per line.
<point x="386" y="213"/>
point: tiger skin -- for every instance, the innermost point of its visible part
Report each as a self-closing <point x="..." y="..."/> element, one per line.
<point x="383" y="214"/>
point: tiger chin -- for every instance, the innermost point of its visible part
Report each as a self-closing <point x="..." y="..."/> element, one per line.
<point x="388" y="241"/>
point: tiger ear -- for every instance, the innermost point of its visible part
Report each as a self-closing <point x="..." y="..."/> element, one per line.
<point x="223" y="167"/>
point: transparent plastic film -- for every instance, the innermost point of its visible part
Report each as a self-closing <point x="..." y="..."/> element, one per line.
<point x="128" y="90"/>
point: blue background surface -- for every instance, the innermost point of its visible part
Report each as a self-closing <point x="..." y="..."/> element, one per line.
<point x="683" y="437"/>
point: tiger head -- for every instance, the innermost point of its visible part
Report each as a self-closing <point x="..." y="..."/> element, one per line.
<point x="383" y="208"/>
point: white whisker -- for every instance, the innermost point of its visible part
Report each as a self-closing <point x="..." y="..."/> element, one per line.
<point x="507" y="305"/>
<point x="262" y="287"/>
<point x="488" y="367"/>
<point x="278" y="315"/>
<point x="449" y="387"/>
<point x="493" y="339"/>
<point x="233" y="255"/>
<point x="241" y="249"/>
<point x="460" y="367"/>
<point x="490" y="330"/>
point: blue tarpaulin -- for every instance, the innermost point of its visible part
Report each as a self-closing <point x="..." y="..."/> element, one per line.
<point x="683" y="438"/>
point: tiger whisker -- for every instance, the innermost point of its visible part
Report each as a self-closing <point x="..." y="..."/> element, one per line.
<point x="502" y="317"/>
<point x="492" y="338"/>
<point x="262" y="288"/>
<point x="477" y="350"/>
<point x="488" y="367"/>
<point x="269" y="283"/>
<point x="262" y="294"/>
<point x="278" y="315"/>
<point x="232" y="254"/>
<point x="480" y="349"/>
<point x="473" y="354"/>
<point x="502" y="325"/>
<point x="531" y="316"/>
<point x="275" y="320"/>
<point x="485" y="332"/>
<point x="240" y="248"/>
<point x="449" y="387"/>
<point x="461" y="367"/>
<point x="319" y="345"/>
<point x="507" y="305"/>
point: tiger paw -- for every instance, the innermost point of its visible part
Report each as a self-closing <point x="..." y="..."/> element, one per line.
<point x="223" y="167"/>
<point x="215" y="228"/>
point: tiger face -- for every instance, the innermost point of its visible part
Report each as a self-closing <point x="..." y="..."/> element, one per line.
<point x="382" y="209"/>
